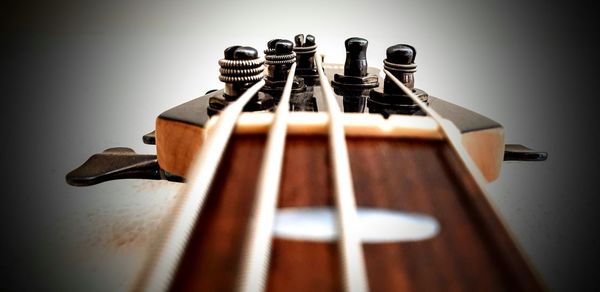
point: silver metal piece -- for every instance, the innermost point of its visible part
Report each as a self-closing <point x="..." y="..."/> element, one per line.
<point x="280" y="57"/>
<point x="305" y="50"/>
<point x="399" y="70"/>
<point x="281" y="62"/>
<point x="255" y="266"/>
<point x="241" y="79"/>
<point x="241" y="64"/>
<point x="241" y="72"/>
<point x="161" y="266"/>
<point x="410" y="68"/>
<point x="235" y="89"/>
<point x="354" y="272"/>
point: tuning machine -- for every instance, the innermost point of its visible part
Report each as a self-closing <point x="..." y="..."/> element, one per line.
<point x="400" y="61"/>
<point x="356" y="82"/>
<point x="240" y="69"/>
<point x="305" y="49"/>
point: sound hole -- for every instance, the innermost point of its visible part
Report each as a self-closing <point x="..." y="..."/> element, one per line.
<point x="375" y="225"/>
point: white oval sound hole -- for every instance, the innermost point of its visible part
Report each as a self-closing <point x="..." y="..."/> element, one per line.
<point x="374" y="225"/>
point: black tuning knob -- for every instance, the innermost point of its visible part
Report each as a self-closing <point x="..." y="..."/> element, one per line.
<point x="356" y="57"/>
<point x="355" y="77"/>
<point x="401" y="54"/>
<point x="240" y="68"/>
<point x="279" y="57"/>
<point x="309" y="41"/>
<point x="354" y="85"/>
<point x="400" y="61"/>
<point x="305" y="48"/>
<point x="241" y="53"/>
<point x="279" y="47"/>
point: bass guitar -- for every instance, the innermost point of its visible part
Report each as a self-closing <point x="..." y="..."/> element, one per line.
<point x="305" y="176"/>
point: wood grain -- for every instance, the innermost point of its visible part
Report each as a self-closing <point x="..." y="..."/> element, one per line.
<point x="486" y="148"/>
<point x="472" y="252"/>
<point x="177" y="144"/>
<point x="212" y="259"/>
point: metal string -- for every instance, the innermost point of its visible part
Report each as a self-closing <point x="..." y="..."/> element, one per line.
<point x="448" y="130"/>
<point x="352" y="259"/>
<point x="165" y="257"/>
<point x="255" y="266"/>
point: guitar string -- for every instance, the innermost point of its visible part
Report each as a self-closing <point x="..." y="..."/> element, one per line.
<point x="449" y="130"/>
<point x="352" y="259"/>
<point x="453" y="135"/>
<point x="255" y="265"/>
<point x="160" y="275"/>
<point x="162" y="264"/>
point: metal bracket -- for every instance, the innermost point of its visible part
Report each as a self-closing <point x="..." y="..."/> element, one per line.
<point x="517" y="152"/>
<point x="150" y="138"/>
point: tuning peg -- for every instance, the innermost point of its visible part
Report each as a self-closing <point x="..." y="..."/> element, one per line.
<point x="309" y="41"/>
<point x="240" y="68"/>
<point x="305" y="48"/>
<point x="356" y="57"/>
<point x="355" y="77"/>
<point x="280" y="47"/>
<point x="240" y="53"/>
<point x="400" y="62"/>
<point x="401" y="54"/>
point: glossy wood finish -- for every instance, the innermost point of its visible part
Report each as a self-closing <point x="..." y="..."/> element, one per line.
<point x="212" y="259"/>
<point x="472" y="252"/>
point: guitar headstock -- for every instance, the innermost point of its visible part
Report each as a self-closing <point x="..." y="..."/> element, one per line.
<point x="359" y="89"/>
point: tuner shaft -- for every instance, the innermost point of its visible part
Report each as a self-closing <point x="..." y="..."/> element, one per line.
<point x="401" y="63"/>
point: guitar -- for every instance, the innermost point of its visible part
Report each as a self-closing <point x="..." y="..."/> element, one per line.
<point x="307" y="176"/>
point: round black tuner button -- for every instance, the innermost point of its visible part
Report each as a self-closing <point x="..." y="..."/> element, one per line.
<point x="401" y="54"/>
<point x="299" y="40"/>
<point x="356" y="57"/>
<point x="283" y="47"/>
<point x="272" y="43"/>
<point x="241" y="53"/>
<point x="357" y="47"/>
<point x="310" y="41"/>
